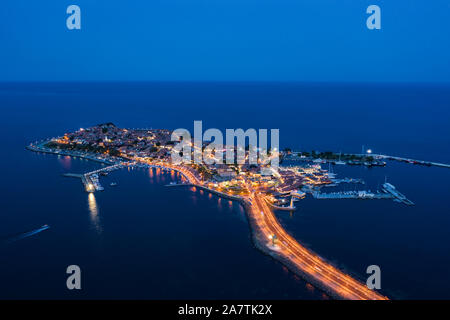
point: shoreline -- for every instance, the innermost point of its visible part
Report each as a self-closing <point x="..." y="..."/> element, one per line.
<point x="90" y="157"/>
<point x="258" y="241"/>
<point x="257" y="235"/>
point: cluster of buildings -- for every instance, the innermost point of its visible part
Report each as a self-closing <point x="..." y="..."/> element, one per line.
<point x="108" y="138"/>
<point x="156" y="145"/>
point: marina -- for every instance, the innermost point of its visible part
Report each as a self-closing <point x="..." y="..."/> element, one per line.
<point x="261" y="195"/>
<point x="388" y="192"/>
<point x="91" y="181"/>
<point x="352" y="195"/>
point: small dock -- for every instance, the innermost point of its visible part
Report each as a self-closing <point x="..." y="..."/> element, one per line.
<point x="90" y="180"/>
<point x="291" y="207"/>
<point x="388" y="192"/>
<point x="86" y="180"/>
<point x="282" y="208"/>
<point x="347" y="180"/>
<point x="352" y="195"/>
<point x="390" y="189"/>
<point x="73" y="175"/>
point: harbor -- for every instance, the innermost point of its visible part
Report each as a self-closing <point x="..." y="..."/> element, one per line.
<point x="91" y="180"/>
<point x="261" y="195"/>
<point x="351" y="195"/>
<point x="388" y="192"/>
<point x="92" y="183"/>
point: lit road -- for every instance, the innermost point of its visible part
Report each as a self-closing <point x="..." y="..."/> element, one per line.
<point x="266" y="225"/>
<point x="305" y="260"/>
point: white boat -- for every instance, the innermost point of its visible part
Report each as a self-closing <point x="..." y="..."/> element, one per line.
<point x="340" y="161"/>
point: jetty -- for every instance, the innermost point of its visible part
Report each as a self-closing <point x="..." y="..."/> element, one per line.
<point x="178" y="184"/>
<point x="352" y="195"/>
<point x="388" y="192"/>
<point x="390" y="189"/>
<point x="412" y="161"/>
<point x="91" y="181"/>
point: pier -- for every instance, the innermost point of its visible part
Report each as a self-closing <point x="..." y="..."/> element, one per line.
<point x="90" y="180"/>
<point x="281" y="208"/>
<point x="347" y="180"/>
<point x="412" y="161"/>
<point x="388" y="192"/>
<point x="352" y="195"/>
<point x="390" y="189"/>
<point x="178" y="185"/>
<point x="88" y="186"/>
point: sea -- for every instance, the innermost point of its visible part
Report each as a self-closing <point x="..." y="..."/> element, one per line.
<point x="144" y="240"/>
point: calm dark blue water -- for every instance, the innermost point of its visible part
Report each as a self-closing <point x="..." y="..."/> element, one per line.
<point x="143" y="240"/>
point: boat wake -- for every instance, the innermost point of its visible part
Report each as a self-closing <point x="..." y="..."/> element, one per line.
<point x="24" y="235"/>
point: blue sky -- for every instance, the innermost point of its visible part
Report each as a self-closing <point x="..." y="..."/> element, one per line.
<point x="225" y="40"/>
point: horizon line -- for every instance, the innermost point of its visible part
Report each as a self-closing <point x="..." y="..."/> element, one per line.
<point x="439" y="83"/>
